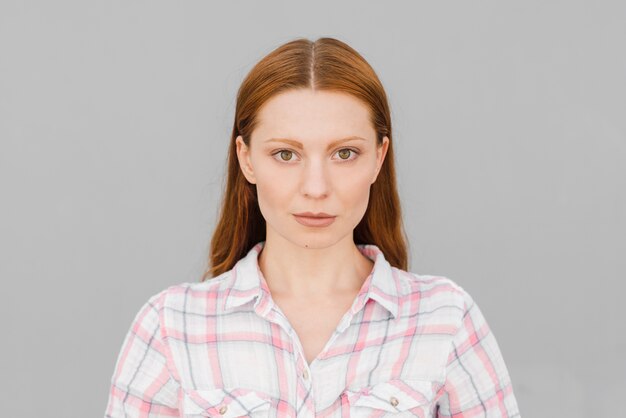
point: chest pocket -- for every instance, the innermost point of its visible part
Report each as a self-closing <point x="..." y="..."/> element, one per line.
<point x="225" y="403"/>
<point x="393" y="398"/>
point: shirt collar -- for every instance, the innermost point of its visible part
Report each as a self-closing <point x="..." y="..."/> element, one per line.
<point x="248" y="282"/>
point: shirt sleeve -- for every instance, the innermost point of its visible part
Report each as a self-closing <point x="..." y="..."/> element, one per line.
<point x="141" y="385"/>
<point x="477" y="381"/>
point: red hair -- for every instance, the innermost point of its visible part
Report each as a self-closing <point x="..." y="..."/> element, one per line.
<point x="324" y="64"/>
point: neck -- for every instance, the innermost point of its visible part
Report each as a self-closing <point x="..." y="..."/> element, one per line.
<point x="299" y="271"/>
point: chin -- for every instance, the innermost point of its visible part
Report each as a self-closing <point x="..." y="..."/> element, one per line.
<point x="316" y="240"/>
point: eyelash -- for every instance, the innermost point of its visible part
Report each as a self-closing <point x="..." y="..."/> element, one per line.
<point x="353" y="151"/>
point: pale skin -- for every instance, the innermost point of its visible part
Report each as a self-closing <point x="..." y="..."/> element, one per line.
<point x="314" y="273"/>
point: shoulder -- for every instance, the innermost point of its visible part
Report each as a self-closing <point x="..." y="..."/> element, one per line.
<point x="433" y="292"/>
<point x="184" y="296"/>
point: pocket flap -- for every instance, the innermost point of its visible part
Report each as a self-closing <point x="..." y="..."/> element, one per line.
<point x="393" y="395"/>
<point x="224" y="402"/>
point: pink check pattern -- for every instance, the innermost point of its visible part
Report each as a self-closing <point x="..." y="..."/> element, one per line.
<point x="410" y="345"/>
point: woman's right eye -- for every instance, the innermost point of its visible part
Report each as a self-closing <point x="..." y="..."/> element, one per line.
<point x="284" y="155"/>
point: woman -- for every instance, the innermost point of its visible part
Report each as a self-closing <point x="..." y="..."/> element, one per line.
<point x="307" y="309"/>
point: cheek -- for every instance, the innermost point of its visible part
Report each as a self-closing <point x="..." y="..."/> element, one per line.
<point x="354" y="192"/>
<point x="273" y="192"/>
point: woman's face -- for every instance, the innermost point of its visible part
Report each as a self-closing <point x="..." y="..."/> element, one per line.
<point x="312" y="152"/>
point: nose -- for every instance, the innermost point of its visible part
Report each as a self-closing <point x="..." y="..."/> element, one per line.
<point x="315" y="180"/>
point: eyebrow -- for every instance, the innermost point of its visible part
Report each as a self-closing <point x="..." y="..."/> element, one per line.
<point x="299" y="144"/>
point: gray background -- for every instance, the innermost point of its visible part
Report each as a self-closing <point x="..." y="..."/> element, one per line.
<point x="510" y="134"/>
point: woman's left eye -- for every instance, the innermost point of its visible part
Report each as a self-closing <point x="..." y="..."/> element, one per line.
<point x="345" y="153"/>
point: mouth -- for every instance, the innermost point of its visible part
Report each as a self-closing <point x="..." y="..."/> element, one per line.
<point x="314" y="220"/>
<point x="314" y="215"/>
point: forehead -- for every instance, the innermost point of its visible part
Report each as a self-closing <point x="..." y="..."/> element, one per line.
<point x="314" y="115"/>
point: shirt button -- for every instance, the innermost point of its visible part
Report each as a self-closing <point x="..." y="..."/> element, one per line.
<point x="394" y="401"/>
<point x="223" y="409"/>
<point x="305" y="374"/>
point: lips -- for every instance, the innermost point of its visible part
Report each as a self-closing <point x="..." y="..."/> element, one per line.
<point x="314" y="215"/>
<point x="320" y="219"/>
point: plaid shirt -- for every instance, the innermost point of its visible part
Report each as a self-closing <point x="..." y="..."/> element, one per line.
<point x="410" y="345"/>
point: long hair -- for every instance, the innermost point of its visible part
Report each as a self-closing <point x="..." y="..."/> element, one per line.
<point x="324" y="64"/>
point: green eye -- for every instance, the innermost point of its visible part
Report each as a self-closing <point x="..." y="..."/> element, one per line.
<point x="284" y="154"/>
<point x="344" y="154"/>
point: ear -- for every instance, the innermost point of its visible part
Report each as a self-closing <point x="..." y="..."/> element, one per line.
<point x="381" y="152"/>
<point x="243" y="155"/>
